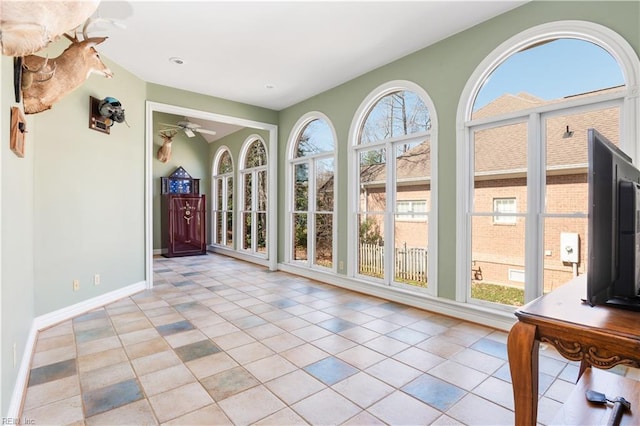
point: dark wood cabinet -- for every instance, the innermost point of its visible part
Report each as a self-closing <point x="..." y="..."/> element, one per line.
<point x="183" y="215"/>
<point x="186" y="227"/>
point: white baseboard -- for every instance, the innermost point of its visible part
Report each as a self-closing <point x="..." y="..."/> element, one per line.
<point x="160" y="251"/>
<point x="52" y="318"/>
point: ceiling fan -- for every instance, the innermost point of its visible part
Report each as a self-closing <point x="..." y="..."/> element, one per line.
<point x="190" y="128"/>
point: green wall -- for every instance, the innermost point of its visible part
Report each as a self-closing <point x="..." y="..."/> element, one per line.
<point x="17" y="245"/>
<point x="442" y="70"/>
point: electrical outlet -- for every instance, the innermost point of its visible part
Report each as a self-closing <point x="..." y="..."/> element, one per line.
<point x="96" y="279"/>
<point x="341" y="265"/>
<point x="76" y="285"/>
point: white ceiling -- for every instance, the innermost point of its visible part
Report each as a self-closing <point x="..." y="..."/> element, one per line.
<point x="236" y="49"/>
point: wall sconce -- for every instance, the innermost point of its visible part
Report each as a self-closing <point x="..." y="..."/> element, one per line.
<point x="104" y="112"/>
<point x="568" y="133"/>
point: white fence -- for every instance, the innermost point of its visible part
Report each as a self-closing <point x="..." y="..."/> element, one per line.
<point x="410" y="264"/>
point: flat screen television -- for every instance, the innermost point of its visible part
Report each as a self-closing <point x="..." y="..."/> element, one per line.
<point x="613" y="271"/>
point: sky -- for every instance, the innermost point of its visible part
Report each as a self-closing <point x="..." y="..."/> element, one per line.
<point x="553" y="70"/>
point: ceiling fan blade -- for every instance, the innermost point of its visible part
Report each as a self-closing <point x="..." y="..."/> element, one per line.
<point x="206" y="131"/>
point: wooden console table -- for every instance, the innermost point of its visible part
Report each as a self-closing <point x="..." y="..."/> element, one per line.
<point x="598" y="336"/>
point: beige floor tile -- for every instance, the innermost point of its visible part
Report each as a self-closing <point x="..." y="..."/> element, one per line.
<point x="393" y="372"/>
<point x="52" y="356"/>
<point x="48" y="343"/>
<point x="334" y="344"/>
<point x="497" y="391"/>
<point x="249" y="353"/>
<point x="105" y="376"/>
<point x="286" y="416"/>
<point x="211" y="364"/>
<point x="326" y="407"/>
<point x="154" y="362"/>
<point x="479" y="361"/>
<point x="363" y="389"/>
<point x="179" y="401"/>
<point x="98" y="345"/>
<point x="220" y="329"/>
<point x="233" y="340"/>
<point x="52" y="391"/>
<point x="417" y="358"/>
<point x="206" y="416"/>
<point x="412" y="411"/>
<point x="140" y="335"/>
<point x="472" y="409"/>
<point x="282" y="342"/>
<point x="464" y="377"/>
<point x="304" y="355"/>
<point x="362" y="419"/>
<point x="65" y="411"/>
<point x="361" y="357"/>
<point x="294" y="386"/>
<point x="149" y="347"/>
<point x="262" y="402"/>
<point x="386" y="345"/>
<point x="441" y="346"/>
<point x="185" y="338"/>
<point x="101" y="359"/>
<point x="166" y="379"/>
<point x="269" y="368"/>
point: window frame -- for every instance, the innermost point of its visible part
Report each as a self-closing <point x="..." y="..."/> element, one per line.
<point x="215" y="209"/>
<point x="353" y="178"/>
<point x="311" y="159"/>
<point x="629" y="102"/>
<point x="253" y="208"/>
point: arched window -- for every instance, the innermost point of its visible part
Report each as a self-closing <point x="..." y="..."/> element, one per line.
<point x="312" y="205"/>
<point x="253" y="208"/>
<point x="393" y="161"/>
<point x="222" y="182"/>
<point x="522" y="156"/>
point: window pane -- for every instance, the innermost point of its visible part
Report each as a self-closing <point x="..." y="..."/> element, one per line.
<point x="300" y="236"/>
<point x="256" y="155"/>
<point x="324" y="240"/>
<point x="560" y="264"/>
<point x="410" y="251"/>
<point x="396" y="114"/>
<point x="316" y="138"/>
<point x="262" y="190"/>
<point x="497" y="261"/>
<point x="324" y="184"/>
<point x="566" y="158"/>
<point x="261" y="233"/>
<point x="565" y="66"/>
<point x="246" y="237"/>
<point x="229" y="218"/>
<point x="219" y="194"/>
<point x="229" y="193"/>
<point x="370" y="245"/>
<point x="301" y="190"/>
<point x="500" y="166"/>
<point x="248" y="191"/>
<point x="219" y="228"/>
<point x="373" y="180"/>
<point x="225" y="164"/>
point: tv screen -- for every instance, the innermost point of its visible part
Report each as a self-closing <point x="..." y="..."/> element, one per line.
<point x="613" y="270"/>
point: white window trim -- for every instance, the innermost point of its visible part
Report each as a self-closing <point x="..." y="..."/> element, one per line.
<point x="244" y="151"/>
<point x="352" y="194"/>
<point x="600" y="35"/>
<point x="214" y="193"/>
<point x="291" y="158"/>
<point x="507" y="218"/>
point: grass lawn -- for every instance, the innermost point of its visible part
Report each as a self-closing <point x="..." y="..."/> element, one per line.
<point x="498" y="293"/>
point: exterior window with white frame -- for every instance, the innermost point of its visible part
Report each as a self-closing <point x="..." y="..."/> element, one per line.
<point x="253" y="210"/>
<point x="222" y="182"/>
<point x="507" y="206"/>
<point x="312" y="213"/>
<point x="527" y="136"/>
<point x="393" y="160"/>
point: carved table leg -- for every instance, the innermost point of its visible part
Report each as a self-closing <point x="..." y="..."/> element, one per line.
<point x="522" y="348"/>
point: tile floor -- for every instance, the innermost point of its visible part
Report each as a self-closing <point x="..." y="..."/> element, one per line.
<point x="221" y="341"/>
